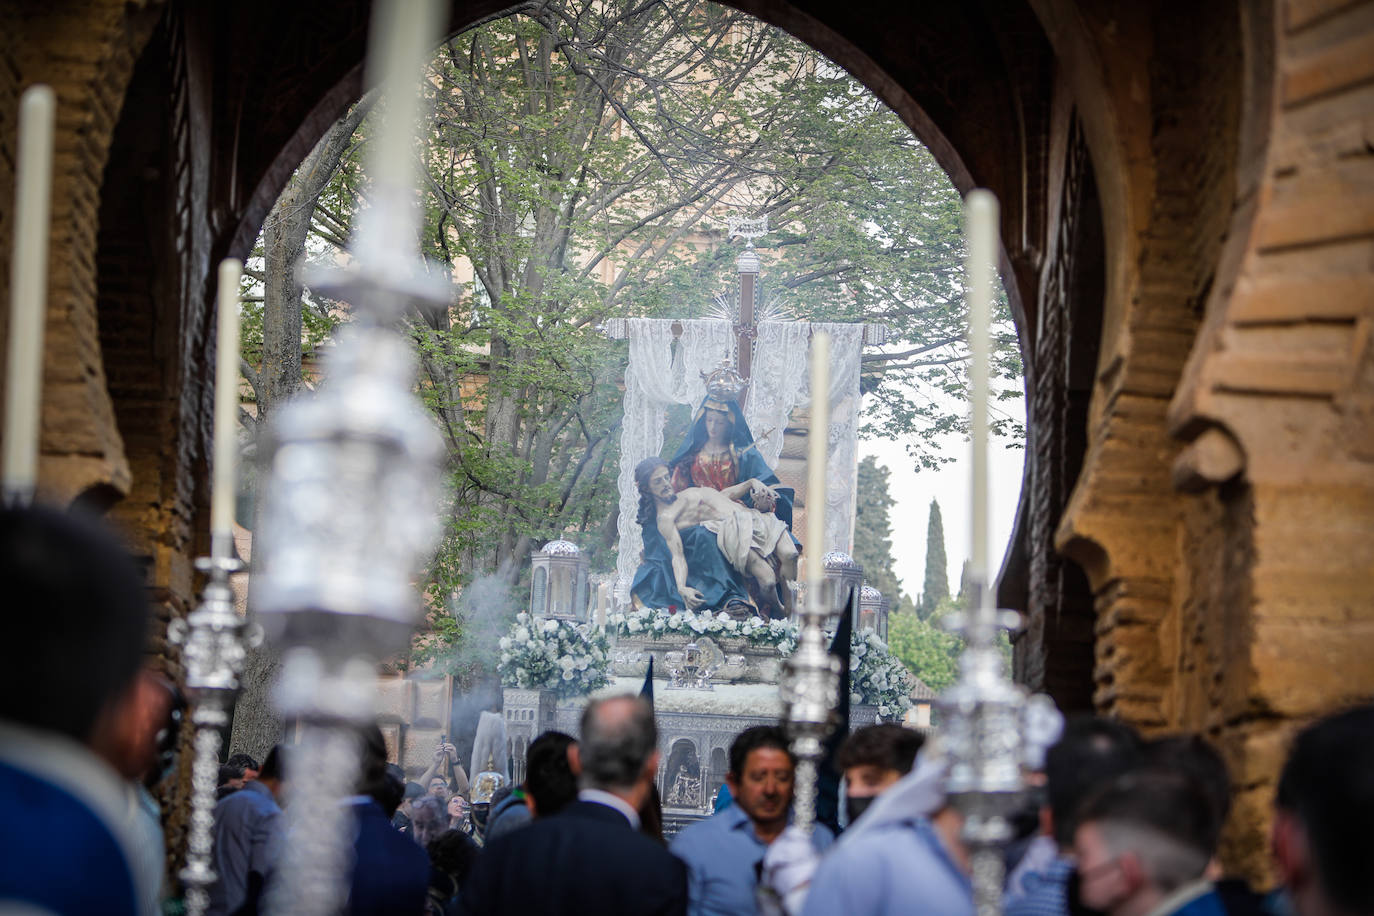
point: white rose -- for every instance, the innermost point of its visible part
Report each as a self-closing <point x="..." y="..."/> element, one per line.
<point x="551" y="626"/>
<point x="505" y="642"/>
<point x="522" y="635"/>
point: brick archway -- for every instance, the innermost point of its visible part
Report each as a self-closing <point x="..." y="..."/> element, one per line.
<point x="1213" y="378"/>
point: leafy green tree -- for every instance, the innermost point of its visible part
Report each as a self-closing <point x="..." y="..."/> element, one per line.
<point x="936" y="586"/>
<point x="873" y="529"/>
<point x="930" y="653"/>
<point x="580" y="165"/>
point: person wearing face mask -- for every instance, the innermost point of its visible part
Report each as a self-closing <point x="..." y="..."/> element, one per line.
<point x="872" y="760"/>
<point x="1141" y="847"/>
<point x="1091" y="752"/>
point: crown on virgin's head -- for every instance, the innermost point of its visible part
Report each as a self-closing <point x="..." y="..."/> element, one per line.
<point x="723" y="386"/>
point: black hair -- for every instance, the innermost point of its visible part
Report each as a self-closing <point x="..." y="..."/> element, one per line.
<point x="243" y="762"/>
<point x="889" y="747"/>
<point x="751" y="739"/>
<point x="549" y="779"/>
<point x="614" y="749"/>
<point x="1089" y="753"/>
<point x="373" y="780"/>
<point x="1327" y="784"/>
<point x="453" y="852"/>
<point x="227" y="773"/>
<point x="274" y="764"/>
<point x="413" y="790"/>
<point x="75" y="602"/>
<point x="1194" y="756"/>
<point x="390" y="789"/>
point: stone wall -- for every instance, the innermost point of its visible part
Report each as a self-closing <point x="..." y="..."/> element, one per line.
<point x="1276" y="621"/>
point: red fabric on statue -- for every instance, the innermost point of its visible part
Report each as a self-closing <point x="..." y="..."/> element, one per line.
<point x="716" y="471"/>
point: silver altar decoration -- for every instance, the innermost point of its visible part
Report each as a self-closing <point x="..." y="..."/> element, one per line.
<point x="843" y="579"/>
<point x="873" y="612"/>
<point x="215" y="641"/>
<point x="694" y="666"/>
<point x="810" y="692"/>
<point x="351" y="490"/>
<point x="559" y="585"/>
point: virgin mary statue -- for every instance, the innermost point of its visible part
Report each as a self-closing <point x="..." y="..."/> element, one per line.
<point x="718" y="452"/>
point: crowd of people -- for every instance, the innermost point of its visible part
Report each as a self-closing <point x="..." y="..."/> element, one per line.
<point x="1119" y="824"/>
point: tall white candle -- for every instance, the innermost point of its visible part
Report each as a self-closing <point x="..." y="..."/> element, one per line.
<point x="818" y="441"/>
<point x="980" y="211"/>
<point x="28" y="292"/>
<point x="226" y="453"/>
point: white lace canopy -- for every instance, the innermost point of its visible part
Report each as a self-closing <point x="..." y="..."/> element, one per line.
<point x="663" y="371"/>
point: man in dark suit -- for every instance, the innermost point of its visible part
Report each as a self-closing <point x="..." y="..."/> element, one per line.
<point x="590" y="856"/>
<point x="390" y="872"/>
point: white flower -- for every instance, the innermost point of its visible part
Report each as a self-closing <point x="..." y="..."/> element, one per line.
<point x="567" y="675"/>
<point x="505" y="642"/>
<point x="635" y="626"/>
<point x="522" y="617"/>
<point x="551" y="626"/>
<point x="522" y="635"/>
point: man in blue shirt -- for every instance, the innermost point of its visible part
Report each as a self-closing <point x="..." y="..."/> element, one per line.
<point x="248" y="838"/>
<point x="723" y="853"/>
<point x="903" y="866"/>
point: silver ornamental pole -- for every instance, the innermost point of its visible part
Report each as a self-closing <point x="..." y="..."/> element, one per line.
<point x="352" y="488"/>
<point x="990" y="728"/>
<point x="811" y="677"/>
<point x="214" y="638"/>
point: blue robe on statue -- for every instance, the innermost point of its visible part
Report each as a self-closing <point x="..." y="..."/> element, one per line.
<point x="707" y="569"/>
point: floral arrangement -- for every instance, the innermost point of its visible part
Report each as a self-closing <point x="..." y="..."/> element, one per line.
<point x="558" y="655"/>
<point x="649" y="623"/>
<point x="877" y="678"/>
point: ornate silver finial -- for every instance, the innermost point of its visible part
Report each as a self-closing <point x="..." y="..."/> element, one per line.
<point x="990" y="730"/>
<point x="214" y="642"/>
<point x="810" y="692"/>
<point x="352" y="485"/>
<point x="747" y="229"/>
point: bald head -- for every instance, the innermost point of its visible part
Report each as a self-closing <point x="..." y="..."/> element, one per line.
<point x="618" y="738"/>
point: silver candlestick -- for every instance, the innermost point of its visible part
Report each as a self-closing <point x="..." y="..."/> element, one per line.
<point x="810" y="691"/>
<point x="214" y="641"/>
<point x="352" y="488"/>
<point x="992" y="732"/>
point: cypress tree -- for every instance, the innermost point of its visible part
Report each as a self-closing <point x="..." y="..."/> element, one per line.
<point x="936" y="586"/>
<point x="873" y="529"/>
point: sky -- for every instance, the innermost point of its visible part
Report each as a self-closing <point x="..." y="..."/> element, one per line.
<point x="913" y="490"/>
